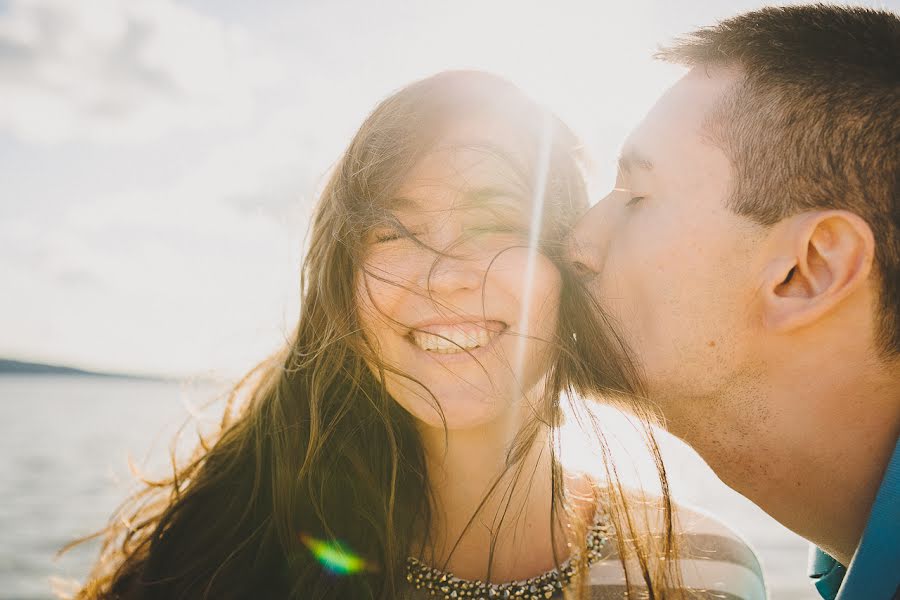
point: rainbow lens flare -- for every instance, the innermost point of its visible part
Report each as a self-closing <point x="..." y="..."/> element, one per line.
<point x="334" y="557"/>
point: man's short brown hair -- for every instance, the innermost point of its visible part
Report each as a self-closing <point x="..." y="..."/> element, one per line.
<point x="814" y="123"/>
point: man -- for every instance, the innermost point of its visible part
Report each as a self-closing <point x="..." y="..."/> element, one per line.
<point x="750" y="252"/>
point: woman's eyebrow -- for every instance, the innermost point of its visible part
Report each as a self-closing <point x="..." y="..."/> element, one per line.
<point x="400" y="203"/>
<point x="488" y="195"/>
<point x="475" y="197"/>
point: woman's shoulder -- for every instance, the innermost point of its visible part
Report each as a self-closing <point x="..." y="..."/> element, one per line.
<point x="712" y="555"/>
<point x="712" y="560"/>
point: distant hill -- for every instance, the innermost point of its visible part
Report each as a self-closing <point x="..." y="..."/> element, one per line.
<point x="9" y="367"/>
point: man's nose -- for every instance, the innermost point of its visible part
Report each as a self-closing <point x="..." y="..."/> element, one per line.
<point x="586" y="245"/>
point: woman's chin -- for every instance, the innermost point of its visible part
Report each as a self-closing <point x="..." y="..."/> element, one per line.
<point x="457" y="414"/>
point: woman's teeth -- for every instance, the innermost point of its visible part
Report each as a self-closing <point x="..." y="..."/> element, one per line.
<point x="451" y="340"/>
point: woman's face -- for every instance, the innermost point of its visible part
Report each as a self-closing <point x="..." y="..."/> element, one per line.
<point x="465" y="322"/>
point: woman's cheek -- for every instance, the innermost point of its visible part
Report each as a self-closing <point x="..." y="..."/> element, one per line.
<point x="546" y="282"/>
<point x="546" y="291"/>
<point x="543" y="291"/>
<point x="383" y="279"/>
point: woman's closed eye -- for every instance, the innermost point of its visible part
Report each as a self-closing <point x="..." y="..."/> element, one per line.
<point x="495" y="228"/>
<point x="391" y="234"/>
<point x="387" y="236"/>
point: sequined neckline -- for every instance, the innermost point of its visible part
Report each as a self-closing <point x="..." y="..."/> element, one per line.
<point x="443" y="584"/>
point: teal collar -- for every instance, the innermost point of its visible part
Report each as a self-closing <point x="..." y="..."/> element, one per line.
<point x="874" y="572"/>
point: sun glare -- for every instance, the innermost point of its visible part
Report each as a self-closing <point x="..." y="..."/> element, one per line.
<point x="534" y="232"/>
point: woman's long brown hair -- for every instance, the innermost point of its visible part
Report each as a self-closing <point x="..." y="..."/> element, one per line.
<point x="311" y="444"/>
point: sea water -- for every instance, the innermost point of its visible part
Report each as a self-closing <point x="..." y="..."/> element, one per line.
<point x="65" y="443"/>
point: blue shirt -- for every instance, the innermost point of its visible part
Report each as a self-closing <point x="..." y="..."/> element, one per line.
<point x="874" y="571"/>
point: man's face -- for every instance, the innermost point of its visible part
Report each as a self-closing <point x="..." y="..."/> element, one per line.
<point x="669" y="260"/>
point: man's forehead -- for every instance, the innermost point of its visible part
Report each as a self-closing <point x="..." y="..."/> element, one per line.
<point x="677" y="120"/>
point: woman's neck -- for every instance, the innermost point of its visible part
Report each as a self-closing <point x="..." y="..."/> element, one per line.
<point x="511" y="512"/>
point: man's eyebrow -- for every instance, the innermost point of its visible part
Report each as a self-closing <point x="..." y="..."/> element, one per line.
<point x="631" y="159"/>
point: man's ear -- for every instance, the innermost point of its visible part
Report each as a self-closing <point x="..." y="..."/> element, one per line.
<point x="821" y="258"/>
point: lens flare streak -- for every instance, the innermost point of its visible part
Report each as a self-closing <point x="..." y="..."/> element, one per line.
<point x="333" y="557"/>
<point x="534" y="232"/>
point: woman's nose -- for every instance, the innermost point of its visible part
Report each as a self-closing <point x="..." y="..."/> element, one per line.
<point x="449" y="273"/>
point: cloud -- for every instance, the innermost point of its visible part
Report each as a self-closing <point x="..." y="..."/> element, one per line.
<point x="110" y="71"/>
<point x="183" y="255"/>
<point x="187" y="275"/>
<point x="149" y="281"/>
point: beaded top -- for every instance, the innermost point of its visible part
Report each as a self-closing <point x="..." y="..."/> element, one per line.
<point x="445" y="585"/>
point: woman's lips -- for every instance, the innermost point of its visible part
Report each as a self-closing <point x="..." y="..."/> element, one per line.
<point x="456" y="338"/>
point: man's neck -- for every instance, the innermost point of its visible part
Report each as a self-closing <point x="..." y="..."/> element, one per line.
<point x="816" y="461"/>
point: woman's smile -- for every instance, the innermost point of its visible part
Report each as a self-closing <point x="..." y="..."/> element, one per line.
<point x="456" y="340"/>
<point x="442" y="309"/>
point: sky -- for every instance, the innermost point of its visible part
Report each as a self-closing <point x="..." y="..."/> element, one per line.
<point x="159" y="160"/>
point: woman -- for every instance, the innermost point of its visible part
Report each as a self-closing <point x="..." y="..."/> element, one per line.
<point x="403" y="442"/>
